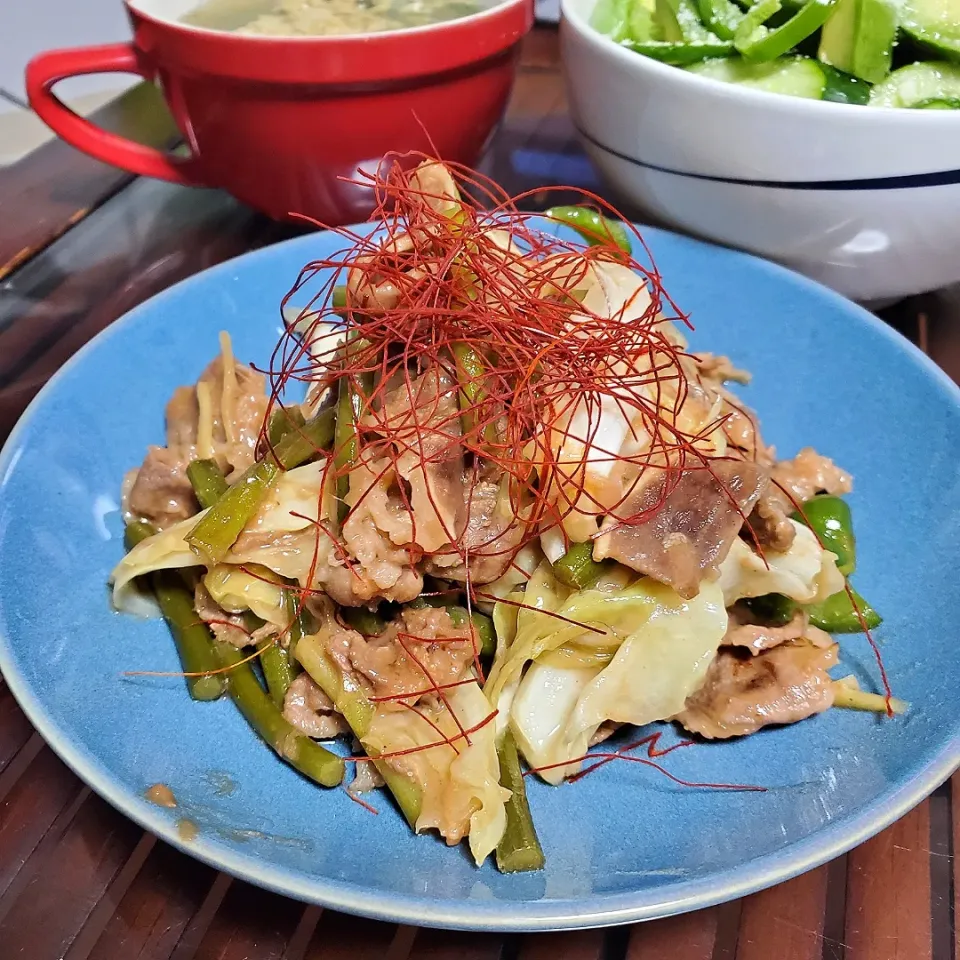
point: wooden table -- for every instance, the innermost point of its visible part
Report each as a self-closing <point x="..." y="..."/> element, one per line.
<point x="81" y="244"/>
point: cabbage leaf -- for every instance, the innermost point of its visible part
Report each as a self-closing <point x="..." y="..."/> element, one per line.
<point x="455" y="791"/>
<point x="806" y="572"/>
<point x="460" y="787"/>
<point x="291" y="507"/>
<point x="664" y="658"/>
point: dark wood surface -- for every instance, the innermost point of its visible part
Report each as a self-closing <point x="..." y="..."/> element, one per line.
<point x="56" y="186"/>
<point x="78" y="881"/>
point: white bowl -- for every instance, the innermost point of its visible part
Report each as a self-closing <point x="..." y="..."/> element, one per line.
<point x="866" y="200"/>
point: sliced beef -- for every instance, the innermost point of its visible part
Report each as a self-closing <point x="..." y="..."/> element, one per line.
<point x="238" y="405"/>
<point x="744" y="630"/>
<point x="809" y="473"/>
<point x="423" y="420"/>
<point x="182" y="415"/>
<point x="770" y="521"/>
<point x="454" y="515"/>
<point x="743" y="693"/>
<point x="311" y="711"/>
<point x="492" y="537"/>
<point x="421" y="649"/>
<point x="161" y="493"/>
<point x="378" y="535"/>
<point x="684" y="538"/>
<point x="352" y="586"/>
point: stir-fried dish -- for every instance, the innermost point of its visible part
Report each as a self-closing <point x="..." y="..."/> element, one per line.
<point x="511" y="513"/>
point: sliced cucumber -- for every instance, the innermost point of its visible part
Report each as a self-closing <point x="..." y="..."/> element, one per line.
<point x="720" y="16"/>
<point x="842" y="88"/>
<point x="953" y="103"/>
<point x="609" y="17"/>
<point x="641" y="25"/>
<point x="935" y="24"/>
<point x="794" y="76"/>
<point x="627" y="20"/>
<point x="679" y="22"/>
<point x="859" y="36"/>
<point x="916" y="83"/>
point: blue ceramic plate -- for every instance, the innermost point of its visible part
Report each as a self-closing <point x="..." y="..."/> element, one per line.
<point x="623" y="844"/>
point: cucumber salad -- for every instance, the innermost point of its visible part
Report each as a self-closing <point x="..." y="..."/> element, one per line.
<point x="881" y="53"/>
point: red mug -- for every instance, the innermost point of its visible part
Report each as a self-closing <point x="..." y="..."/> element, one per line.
<point x="283" y="123"/>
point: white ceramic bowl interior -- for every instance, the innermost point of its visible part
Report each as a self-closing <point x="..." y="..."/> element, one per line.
<point x="866" y="200"/>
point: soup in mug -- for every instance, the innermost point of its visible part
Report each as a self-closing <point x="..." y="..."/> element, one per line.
<point x="292" y="18"/>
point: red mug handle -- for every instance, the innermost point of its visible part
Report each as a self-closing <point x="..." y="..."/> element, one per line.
<point x="45" y="70"/>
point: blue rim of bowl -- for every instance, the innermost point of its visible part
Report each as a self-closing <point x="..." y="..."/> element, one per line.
<point x="484" y="916"/>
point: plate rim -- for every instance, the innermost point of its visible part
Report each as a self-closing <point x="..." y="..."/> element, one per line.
<point x="735" y="882"/>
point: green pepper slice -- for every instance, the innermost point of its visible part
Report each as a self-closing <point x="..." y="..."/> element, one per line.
<point x="761" y="44"/>
<point x="721" y="16"/>
<point x="837" y="614"/>
<point x="773" y="608"/>
<point x="751" y="27"/>
<point x="595" y="228"/>
<point x="680" y="53"/>
<point x="829" y="518"/>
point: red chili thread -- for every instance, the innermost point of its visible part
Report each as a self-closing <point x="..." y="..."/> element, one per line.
<point x="606" y="757"/>
<point x="356" y="798"/>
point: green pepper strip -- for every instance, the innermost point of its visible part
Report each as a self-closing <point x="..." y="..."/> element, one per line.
<point x="346" y="440"/>
<point x="338" y="299"/>
<point x="367" y="622"/>
<point x="577" y="568"/>
<point x="593" y="226"/>
<point x="836" y="614"/>
<point x="721" y="16"/>
<point x="312" y="760"/>
<point x="519" y="848"/>
<point x="358" y="711"/>
<point x="764" y="45"/>
<point x="276" y="661"/>
<point x="217" y="531"/>
<point x="829" y="518"/>
<point x="282" y="421"/>
<point x="751" y="27"/>
<point x="207" y="480"/>
<point x="680" y="53"/>
<point x="773" y="608"/>
<point x="191" y="636"/>
<point x="482" y="625"/>
<point x="278" y="671"/>
<point x="209" y="485"/>
<point x="470" y="376"/>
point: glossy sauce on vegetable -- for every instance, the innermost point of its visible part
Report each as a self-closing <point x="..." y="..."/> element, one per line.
<point x="288" y="18"/>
